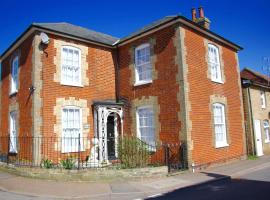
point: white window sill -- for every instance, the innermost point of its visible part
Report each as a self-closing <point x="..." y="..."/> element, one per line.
<point x="222" y="145"/>
<point x="143" y="83"/>
<point x="267" y="141"/>
<point x="66" y="84"/>
<point x="218" y="81"/>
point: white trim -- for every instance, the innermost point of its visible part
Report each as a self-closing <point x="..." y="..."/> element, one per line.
<point x="145" y="81"/>
<point x="14" y="83"/>
<point x="81" y="128"/>
<point x="224" y="143"/>
<point x="138" y="122"/>
<point x="64" y="82"/>
<point x="218" y="70"/>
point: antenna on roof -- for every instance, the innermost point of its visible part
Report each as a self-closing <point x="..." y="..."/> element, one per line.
<point x="44" y="38"/>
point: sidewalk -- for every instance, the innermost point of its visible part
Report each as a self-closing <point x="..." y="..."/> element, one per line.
<point x="126" y="189"/>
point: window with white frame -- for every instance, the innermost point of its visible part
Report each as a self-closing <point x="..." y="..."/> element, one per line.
<point x="143" y="67"/>
<point x="71" y="130"/>
<point x="266" y="131"/>
<point x="71" y="66"/>
<point x="145" y="125"/>
<point x="220" y="125"/>
<point x="214" y="63"/>
<point x="14" y="75"/>
<point x="263" y="99"/>
<point x="13" y="132"/>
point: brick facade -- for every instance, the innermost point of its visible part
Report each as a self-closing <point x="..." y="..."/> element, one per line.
<point x="181" y="92"/>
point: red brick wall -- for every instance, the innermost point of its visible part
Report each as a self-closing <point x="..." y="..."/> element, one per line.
<point x="164" y="87"/>
<point x="201" y="88"/>
<point x="101" y="74"/>
<point x="23" y="97"/>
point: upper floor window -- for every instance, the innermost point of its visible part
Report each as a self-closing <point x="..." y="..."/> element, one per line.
<point x="220" y="125"/>
<point x="263" y="99"/>
<point x="266" y="131"/>
<point x="145" y="124"/>
<point x="14" y="75"/>
<point x="71" y="66"/>
<point x="143" y="68"/>
<point x="71" y="129"/>
<point x="214" y="63"/>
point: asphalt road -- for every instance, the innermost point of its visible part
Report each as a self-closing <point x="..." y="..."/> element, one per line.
<point x="255" y="185"/>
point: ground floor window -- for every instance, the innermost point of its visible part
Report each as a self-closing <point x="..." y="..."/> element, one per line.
<point x="266" y="131"/>
<point x="145" y="124"/>
<point x="220" y="125"/>
<point x="71" y="130"/>
<point x="13" y="132"/>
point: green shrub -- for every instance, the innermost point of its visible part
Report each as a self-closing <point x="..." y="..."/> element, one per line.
<point x="133" y="152"/>
<point x="68" y="163"/>
<point x="46" y="163"/>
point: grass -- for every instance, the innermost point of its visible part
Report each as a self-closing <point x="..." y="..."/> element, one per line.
<point x="252" y="157"/>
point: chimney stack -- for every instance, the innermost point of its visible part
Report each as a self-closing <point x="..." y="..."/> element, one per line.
<point x="202" y="20"/>
<point x="193" y="14"/>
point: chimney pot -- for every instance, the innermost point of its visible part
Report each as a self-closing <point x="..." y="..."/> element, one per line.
<point x="193" y="14"/>
<point x="201" y="12"/>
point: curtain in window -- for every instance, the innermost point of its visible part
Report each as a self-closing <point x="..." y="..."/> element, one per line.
<point x="71" y="130"/>
<point x="14" y="74"/>
<point x="70" y="66"/>
<point x="143" y="63"/>
<point x="219" y="124"/>
<point x="13" y="133"/>
<point x="266" y="130"/>
<point x="213" y="56"/>
<point x="146" y="125"/>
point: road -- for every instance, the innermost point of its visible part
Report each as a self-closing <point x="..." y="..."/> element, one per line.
<point x="255" y="185"/>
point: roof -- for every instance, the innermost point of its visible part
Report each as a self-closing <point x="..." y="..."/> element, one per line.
<point x="110" y="41"/>
<point x="255" y="77"/>
<point x="149" y="27"/>
<point x="78" y="31"/>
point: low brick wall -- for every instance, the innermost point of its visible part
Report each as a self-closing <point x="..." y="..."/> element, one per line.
<point x="89" y="175"/>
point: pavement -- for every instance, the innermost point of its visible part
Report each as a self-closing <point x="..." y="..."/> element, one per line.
<point x="16" y="187"/>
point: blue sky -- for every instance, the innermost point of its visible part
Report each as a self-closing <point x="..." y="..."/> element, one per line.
<point x="241" y="21"/>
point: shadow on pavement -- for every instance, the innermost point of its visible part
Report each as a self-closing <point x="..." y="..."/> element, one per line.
<point x="224" y="188"/>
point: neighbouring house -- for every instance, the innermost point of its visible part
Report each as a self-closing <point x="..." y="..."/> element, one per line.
<point x="256" y="99"/>
<point x="173" y="81"/>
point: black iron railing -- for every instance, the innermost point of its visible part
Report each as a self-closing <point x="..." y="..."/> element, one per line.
<point x="86" y="152"/>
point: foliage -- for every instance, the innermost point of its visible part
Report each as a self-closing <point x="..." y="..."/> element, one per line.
<point x="133" y="152"/>
<point x="46" y="163"/>
<point x="252" y="157"/>
<point x="68" y="163"/>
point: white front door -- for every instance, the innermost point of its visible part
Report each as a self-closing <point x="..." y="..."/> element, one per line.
<point x="13" y="132"/>
<point x="258" y="137"/>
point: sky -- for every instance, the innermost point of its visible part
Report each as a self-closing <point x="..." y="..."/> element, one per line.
<point x="244" y="22"/>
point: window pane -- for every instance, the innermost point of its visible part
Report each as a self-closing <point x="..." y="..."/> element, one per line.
<point x="143" y="65"/>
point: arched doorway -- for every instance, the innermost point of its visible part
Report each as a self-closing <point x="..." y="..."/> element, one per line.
<point x="108" y="119"/>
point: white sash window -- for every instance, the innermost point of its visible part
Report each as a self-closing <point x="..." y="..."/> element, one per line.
<point x="219" y="125"/>
<point x="71" y="66"/>
<point x="145" y="124"/>
<point x="263" y="99"/>
<point x="266" y="131"/>
<point x="13" y="132"/>
<point x="14" y="75"/>
<point x="214" y="63"/>
<point x="143" y="67"/>
<point x="71" y="130"/>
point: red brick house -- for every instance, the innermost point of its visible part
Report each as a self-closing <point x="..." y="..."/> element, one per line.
<point x="172" y="81"/>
